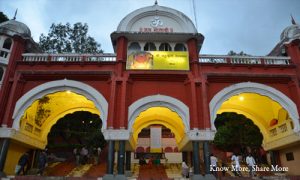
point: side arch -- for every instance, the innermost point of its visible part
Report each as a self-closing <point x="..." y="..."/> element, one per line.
<point x="60" y="85"/>
<point x="250" y="87"/>
<point x="158" y="101"/>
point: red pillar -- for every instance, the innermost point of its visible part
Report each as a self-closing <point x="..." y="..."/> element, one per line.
<point x="6" y="96"/>
<point x="123" y="104"/>
<point x="295" y="92"/>
<point x="111" y="104"/>
<point x="118" y="109"/>
<point x="193" y="56"/>
<point x="294" y="52"/>
<point x="194" y="107"/>
<point x="205" y="104"/>
<point x="194" y="82"/>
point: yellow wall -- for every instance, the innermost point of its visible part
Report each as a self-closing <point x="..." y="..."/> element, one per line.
<point x="13" y="155"/>
<point x="294" y="164"/>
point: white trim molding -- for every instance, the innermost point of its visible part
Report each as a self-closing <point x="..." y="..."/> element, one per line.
<point x="250" y="87"/>
<point x="183" y="21"/>
<point x="116" y="134"/>
<point x="201" y="135"/>
<point x="21" y="137"/>
<point x="158" y="101"/>
<point x="60" y="85"/>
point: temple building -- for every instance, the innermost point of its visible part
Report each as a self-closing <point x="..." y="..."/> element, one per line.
<point x="154" y="94"/>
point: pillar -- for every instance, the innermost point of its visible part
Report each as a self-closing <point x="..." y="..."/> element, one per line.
<point x="196" y="160"/>
<point x="206" y="156"/>
<point x="3" y="153"/>
<point x="273" y="158"/>
<point x="128" y="161"/>
<point x="110" y="159"/>
<point x="121" y="157"/>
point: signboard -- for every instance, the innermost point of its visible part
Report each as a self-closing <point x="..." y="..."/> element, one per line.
<point x="158" y="60"/>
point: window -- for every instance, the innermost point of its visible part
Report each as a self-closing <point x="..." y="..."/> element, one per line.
<point x="289" y="156"/>
<point x="179" y="47"/>
<point x="7" y="44"/>
<point x="1" y="73"/>
<point x="149" y="47"/>
<point x="134" y="46"/>
<point x="165" y="47"/>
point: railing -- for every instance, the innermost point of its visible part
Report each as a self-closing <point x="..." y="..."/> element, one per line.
<point x="281" y="129"/>
<point x="268" y="60"/>
<point x="216" y="59"/>
<point x="29" y="57"/>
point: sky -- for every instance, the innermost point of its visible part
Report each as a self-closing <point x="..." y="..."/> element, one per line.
<point x="252" y="26"/>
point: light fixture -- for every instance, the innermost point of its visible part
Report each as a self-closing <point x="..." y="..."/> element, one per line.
<point x="241" y="98"/>
<point x="68" y="91"/>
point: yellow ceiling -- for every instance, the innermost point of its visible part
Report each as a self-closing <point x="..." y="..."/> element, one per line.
<point x="56" y="106"/>
<point x="260" y="109"/>
<point x="162" y="116"/>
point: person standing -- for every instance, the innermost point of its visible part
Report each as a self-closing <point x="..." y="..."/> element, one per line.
<point x="23" y="161"/>
<point x="213" y="165"/>
<point x="76" y="153"/>
<point x="251" y="163"/>
<point x="185" y="170"/>
<point x="42" y="162"/>
<point x="236" y="165"/>
<point x="84" y="155"/>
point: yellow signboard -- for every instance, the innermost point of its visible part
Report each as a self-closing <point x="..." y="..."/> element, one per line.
<point x="158" y="60"/>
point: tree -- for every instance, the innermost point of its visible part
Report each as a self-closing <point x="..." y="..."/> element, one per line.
<point x="242" y="53"/>
<point x="3" y="17"/>
<point x="235" y="131"/>
<point x="77" y="129"/>
<point x="69" y="39"/>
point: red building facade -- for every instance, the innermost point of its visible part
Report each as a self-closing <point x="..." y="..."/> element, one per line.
<point x="195" y="91"/>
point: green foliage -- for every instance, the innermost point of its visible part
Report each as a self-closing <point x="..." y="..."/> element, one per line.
<point x="3" y="17"/>
<point x="80" y="128"/>
<point x="242" y="53"/>
<point x="236" y="131"/>
<point x="64" y="38"/>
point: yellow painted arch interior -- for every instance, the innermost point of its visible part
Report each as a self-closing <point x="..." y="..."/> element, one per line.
<point x="162" y="116"/>
<point x="260" y="109"/>
<point x="48" y="113"/>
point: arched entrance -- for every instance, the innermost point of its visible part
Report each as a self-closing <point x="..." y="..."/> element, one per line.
<point x="65" y="85"/>
<point x="158" y="126"/>
<point x="39" y="109"/>
<point x="272" y="111"/>
<point x="158" y="109"/>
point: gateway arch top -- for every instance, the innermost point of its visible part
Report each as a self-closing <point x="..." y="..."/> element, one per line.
<point x="156" y="19"/>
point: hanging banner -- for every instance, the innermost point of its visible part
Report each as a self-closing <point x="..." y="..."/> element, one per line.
<point x="155" y="140"/>
<point x="158" y="60"/>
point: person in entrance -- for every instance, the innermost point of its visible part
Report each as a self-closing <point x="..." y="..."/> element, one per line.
<point x="185" y="170"/>
<point x="23" y="162"/>
<point x="213" y="165"/>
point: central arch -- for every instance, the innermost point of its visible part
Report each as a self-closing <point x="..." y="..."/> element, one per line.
<point x="171" y="103"/>
<point x="158" y="109"/>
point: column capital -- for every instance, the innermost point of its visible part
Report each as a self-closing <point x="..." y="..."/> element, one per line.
<point x="116" y="134"/>
<point x="201" y="135"/>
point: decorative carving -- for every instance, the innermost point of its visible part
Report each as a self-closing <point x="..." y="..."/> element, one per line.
<point x="156" y="22"/>
<point x="42" y="112"/>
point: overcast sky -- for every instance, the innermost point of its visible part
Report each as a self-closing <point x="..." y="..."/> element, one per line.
<point x="252" y="26"/>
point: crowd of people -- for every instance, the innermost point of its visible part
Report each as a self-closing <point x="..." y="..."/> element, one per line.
<point x="218" y="166"/>
<point x="24" y="163"/>
<point x="83" y="155"/>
